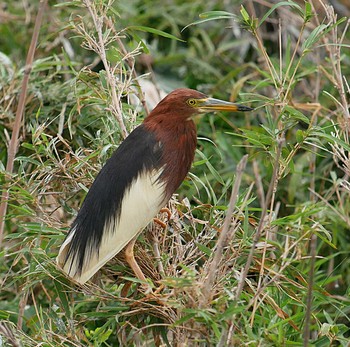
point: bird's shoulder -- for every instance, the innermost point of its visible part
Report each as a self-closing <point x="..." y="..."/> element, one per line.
<point x="140" y="150"/>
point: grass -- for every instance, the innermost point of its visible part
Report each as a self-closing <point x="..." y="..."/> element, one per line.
<point x="266" y="265"/>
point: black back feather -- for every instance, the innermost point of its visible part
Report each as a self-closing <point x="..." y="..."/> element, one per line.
<point x="140" y="151"/>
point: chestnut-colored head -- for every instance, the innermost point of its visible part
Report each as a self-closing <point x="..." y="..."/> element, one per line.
<point x="183" y="103"/>
<point x="178" y="104"/>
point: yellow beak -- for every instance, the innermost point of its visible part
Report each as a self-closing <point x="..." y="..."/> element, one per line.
<point x="211" y="104"/>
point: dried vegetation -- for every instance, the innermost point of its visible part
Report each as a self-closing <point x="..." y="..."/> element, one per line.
<point x="256" y="251"/>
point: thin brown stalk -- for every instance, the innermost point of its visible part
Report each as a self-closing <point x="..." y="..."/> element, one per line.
<point x="256" y="32"/>
<point x="101" y="51"/>
<point x="310" y="285"/>
<point x="223" y="238"/>
<point x="259" y="185"/>
<point x="334" y="52"/>
<point x="291" y="79"/>
<point x="261" y="225"/>
<point x="13" y="145"/>
<point x="22" y="304"/>
<point x="130" y="63"/>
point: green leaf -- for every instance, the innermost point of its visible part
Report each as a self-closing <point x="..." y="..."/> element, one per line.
<point x="279" y="4"/>
<point x="211" y="168"/>
<point x="308" y="12"/>
<point x="296" y="114"/>
<point x="300" y="136"/>
<point x="256" y="138"/>
<point x="207" y="251"/>
<point x="314" y="36"/>
<point x="184" y="319"/>
<point x="141" y="42"/>
<point x="245" y="14"/>
<point x="154" y="31"/>
<point x="216" y="15"/>
<point x="333" y="139"/>
<point x="211" y="15"/>
<point x="4" y="315"/>
<point x="63" y="298"/>
<point x="27" y="160"/>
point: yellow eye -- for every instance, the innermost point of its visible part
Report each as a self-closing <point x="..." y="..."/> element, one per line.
<point x="192" y="102"/>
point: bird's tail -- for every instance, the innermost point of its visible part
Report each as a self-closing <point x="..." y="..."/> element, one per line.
<point x="67" y="261"/>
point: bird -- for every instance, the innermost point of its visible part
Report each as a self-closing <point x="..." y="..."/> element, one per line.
<point x="135" y="183"/>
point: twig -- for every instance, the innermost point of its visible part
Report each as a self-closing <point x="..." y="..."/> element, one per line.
<point x="133" y="71"/>
<point x="210" y="278"/>
<point x="101" y="51"/>
<point x="310" y="285"/>
<point x="259" y="185"/>
<point x="21" y="307"/>
<point x="13" y="145"/>
<point x="157" y="256"/>
<point x="334" y="52"/>
<point x="6" y="331"/>
<point x="261" y="225"/>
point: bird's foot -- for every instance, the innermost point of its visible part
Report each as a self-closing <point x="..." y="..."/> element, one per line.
<point x="167" y="211"/>
<point x="158" y="221"/>
<point x="155" y="296"/>
<point x="146" y="287"/>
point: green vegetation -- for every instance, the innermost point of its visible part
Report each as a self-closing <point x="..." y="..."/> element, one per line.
<point x="283" y="276"/>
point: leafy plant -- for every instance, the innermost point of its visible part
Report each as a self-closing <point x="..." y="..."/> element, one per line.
<point x="256" y="250"/>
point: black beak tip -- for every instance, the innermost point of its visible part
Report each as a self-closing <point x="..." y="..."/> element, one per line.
<point x="245" y="108"/>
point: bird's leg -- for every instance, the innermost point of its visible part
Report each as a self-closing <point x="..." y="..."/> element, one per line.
<point x="159" y="222"/>
<point x="130" y="258"/>
<point x="129" y="252"/>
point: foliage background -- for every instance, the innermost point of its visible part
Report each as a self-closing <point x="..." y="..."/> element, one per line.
<point x="283" y="277"/>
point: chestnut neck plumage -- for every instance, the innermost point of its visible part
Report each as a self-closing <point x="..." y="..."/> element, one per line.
<point x="176" y="133"/>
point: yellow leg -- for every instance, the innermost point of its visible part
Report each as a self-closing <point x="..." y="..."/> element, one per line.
<point x="158" y="221"/>
<point x="130" y="258"/>
<point x="167" y="211"/>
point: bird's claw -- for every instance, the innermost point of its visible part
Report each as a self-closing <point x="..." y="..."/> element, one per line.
<point x="155" y="295"/>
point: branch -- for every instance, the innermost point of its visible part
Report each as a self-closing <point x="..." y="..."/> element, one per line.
<point x="13" y="145"/>
<point x="101" y="51"/>
<point x="224" y="235"/>
<point x="272" y="188"/>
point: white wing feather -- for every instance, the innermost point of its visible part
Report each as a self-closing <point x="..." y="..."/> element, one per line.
<point x="140" y="204"/>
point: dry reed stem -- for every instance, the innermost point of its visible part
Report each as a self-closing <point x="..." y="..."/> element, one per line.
<point x="13" y="145"/>
<point x="100" y="48"/>
<point x="313" y="241"/>
<point x="334" y="51"/>
<point x="337" y="78"/>
<point x="6" y="331"/>
<point x="310" y="285"/>
<point x="261" y="225"/>
<point x="130" y="61"/>
<point x="224" y="236"/>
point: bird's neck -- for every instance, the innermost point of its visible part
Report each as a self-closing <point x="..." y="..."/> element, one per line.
<point x="178" y="139"/>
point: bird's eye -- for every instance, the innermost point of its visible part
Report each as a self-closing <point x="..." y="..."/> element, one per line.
<point x="192" y="102"/>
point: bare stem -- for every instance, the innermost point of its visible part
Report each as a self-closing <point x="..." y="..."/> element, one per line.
<point x="261" y="225"/>
<point x="223" y="238"/>
<point x="101" y="51"/>
<point x="306" y="332"/>
<point x="313" y="242"/>
<point x="13" y="145"/>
